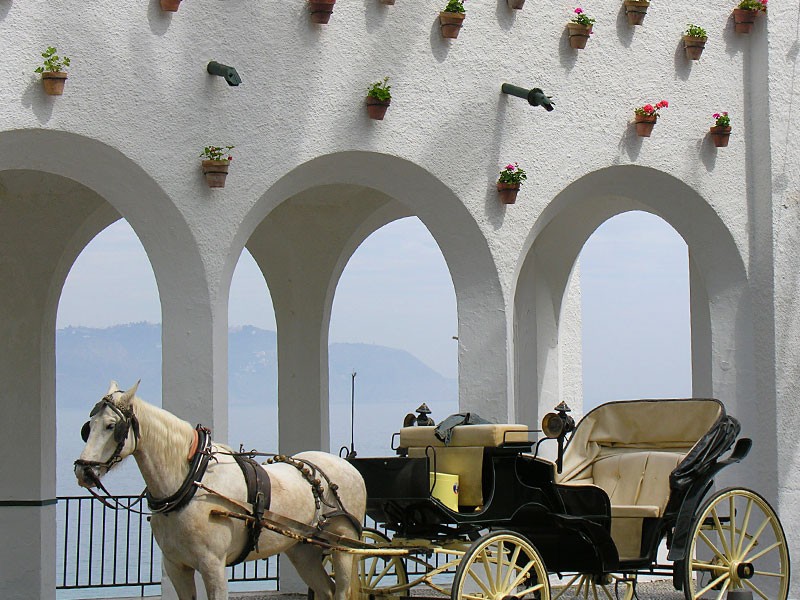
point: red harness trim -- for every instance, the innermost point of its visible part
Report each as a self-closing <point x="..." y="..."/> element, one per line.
<point x="193" y="447"/>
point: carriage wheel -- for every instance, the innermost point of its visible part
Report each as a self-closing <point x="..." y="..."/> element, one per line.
<point x="595" y="587"/>
<point x="737" y="542"/>
<point x="377" y="575"/>
<point x="501" y="565"/>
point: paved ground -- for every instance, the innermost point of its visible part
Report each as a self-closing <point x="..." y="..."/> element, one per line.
<point x="655" y="590"/>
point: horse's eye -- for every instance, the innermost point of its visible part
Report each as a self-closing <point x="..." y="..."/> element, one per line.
<point x="110" y="426"/>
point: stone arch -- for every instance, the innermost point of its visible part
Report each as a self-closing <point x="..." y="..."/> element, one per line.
<point x="723" y="361"/>
<point x="330" y="205"/>
<point x="57" y="191"/>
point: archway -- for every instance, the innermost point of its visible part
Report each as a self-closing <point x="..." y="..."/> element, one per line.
<point x="57" y="191"/>
<point x="302" y="233"/>
<point x="723" y="357"/>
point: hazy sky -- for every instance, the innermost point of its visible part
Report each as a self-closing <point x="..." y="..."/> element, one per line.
<point x="396" y="291"/>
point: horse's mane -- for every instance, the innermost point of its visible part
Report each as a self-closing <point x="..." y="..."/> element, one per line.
<point x="164" y="432"/>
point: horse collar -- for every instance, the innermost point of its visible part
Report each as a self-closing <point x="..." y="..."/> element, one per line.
<point x="200" y="460"/>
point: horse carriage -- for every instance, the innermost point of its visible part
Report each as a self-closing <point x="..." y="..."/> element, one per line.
<point x="472" y="511"/>
<point x="630" y="476"/>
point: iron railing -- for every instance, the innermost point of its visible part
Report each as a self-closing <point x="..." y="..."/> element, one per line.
<point x="99" y="547"/>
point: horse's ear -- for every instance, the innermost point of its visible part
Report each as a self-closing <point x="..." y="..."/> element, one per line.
<point x="112" y="387"/>
<point x="127" y="396"/>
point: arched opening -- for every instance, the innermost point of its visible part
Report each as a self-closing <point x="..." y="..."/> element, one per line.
<point x="635" y="317"/>
<point x="103" y="334"/>
<point x="252" y="360"/>
<point x="393" y="323"/>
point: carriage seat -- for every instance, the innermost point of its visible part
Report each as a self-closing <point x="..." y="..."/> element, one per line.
<point x="464" y="455"/>
<point x="637" y="483"/>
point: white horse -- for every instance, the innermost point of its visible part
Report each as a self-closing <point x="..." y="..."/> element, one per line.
<point x="191" y="538"/>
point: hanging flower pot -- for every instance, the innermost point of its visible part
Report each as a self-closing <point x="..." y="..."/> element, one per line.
<point x="321" y="10"/>
<point x="516" y="4"/>
<point x="646" y="117"/>
<point x="216" y="163"/>
<point x="635" y="10"/>
<point x="170" y="5"/>
<point x="452" y="18"/>
<point x="378" y="99"/>
<point x="694" y="41"/>
<point x="388" y="2"/>
<point x="744" y="15"/>
<point x="509" y="182"/>
<point x="578" y="35"/>
<point x="53" y="75"/>
<point x="721" y="130"/>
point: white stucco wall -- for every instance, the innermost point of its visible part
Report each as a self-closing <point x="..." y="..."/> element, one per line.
<point x="139" y="107"/>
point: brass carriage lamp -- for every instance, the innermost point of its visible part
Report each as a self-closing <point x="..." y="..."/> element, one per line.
<point x="535" y="97"/>
<point x="229" y="73"/>
<point x="557" y="425"/>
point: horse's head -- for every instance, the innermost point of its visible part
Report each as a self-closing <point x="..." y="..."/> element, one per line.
<point x="111" y="434"/>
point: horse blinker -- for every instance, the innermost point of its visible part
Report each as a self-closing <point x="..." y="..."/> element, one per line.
<point x="85" y="430"/>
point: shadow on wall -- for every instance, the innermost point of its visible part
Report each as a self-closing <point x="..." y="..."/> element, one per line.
<point x="567" y="55"/>
<point x="630" y="143"/>
<point x="624" y="30"/>
<point x="506" y="16"/>
<point x="683" y="65"/>
<point x="440" y="46"/>
<point x="494" y="210"/>
<point x="40" y="103"/>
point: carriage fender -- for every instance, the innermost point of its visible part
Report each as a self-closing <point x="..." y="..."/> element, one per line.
<point x="695" y="495"/>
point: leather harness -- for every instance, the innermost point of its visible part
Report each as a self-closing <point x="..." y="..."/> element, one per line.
<point x="259" y="493"/>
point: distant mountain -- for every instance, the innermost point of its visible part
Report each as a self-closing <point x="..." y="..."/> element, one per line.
<point x="88" y="358"/>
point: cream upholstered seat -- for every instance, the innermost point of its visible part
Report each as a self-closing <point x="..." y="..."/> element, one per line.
<point x="629" y="449"/>
<point x="463" y="456"/>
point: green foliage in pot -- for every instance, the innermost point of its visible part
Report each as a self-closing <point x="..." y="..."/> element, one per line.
<point x="693" y="30"/>
<point x="53" y="63"/>
<point x="380" y="90"/>
<point x="455" y="6"/>
<point x="217" y="153"/>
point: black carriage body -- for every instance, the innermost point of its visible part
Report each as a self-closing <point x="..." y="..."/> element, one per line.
<point x="569" y="522"/>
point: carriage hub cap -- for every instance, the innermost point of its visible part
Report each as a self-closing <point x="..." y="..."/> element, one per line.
<point x="745" y="570"/>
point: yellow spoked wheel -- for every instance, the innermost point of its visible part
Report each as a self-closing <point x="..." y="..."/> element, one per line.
<point x="736" y="542"/>
<point x="380" y="577"/>
<point x="501" y="565"/>
<point x="595" y="587"/>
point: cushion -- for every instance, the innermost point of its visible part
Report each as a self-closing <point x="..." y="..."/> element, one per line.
<point x="490" y="435"/>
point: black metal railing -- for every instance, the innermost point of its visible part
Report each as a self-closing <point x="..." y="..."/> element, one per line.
<point x="99" y="547"/>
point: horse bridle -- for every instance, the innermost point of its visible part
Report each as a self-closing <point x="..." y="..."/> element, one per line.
<point x="127" y="421"/>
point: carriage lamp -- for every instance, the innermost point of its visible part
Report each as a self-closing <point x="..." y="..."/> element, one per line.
<point x="535" y="96"/>
<point x="229" y="73"/>
<point x="557" y="425"/>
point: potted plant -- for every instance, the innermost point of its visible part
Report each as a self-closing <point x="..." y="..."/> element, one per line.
<point x="635" y="10"/>
<point x="694" y="41"/>
<point x="215" y="164"/>
<point x="516" y="4"/>
<point x="321" y="10"/>
<point x="451" y="18"/>
<point x="744" y="15"/>
<point x="580" y="28"/>
<point x="721" y="131"/>
<point x="170" y="5"/>
<point x="509" y="182"/>
<point x="646" y="117"/>
<point x="53" y="74"/>
<point x="378" y="99"/>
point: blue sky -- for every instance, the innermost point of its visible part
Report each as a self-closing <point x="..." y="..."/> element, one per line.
<point x="396" y="291"/>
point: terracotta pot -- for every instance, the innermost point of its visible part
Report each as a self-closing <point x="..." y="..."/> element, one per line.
<point x="635" y="10"/>
<point x="744" y="19"/>
<point x="377" y="108"/>
<point x="508" y="192"/>
<point x="694" y="46"/>
<point x="451" y="23"/>
<point x="215" y="172"/>
<point x="516" y="4"/>
<point x="388" y="2"/>
<point x="170" y="5"/>
<point x="578" y="35"/>
<point x="53" y="82"/>
<point x="720" y="136"/>
<point x="644" y="125"/>
<point x="321" y="10"/>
